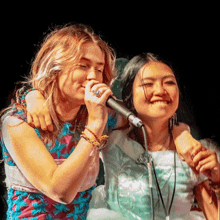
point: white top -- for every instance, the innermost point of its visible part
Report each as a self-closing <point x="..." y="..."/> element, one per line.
<point x="126" y="193"/>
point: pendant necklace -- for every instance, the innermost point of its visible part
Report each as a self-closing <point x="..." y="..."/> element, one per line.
<point x="167" y="212"/>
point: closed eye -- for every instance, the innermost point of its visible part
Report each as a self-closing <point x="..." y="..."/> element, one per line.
<point x="81" y="65"/>
<point x="147" y="84"/>
<point x="99" y="70"/>
<point x="170" y="82"/>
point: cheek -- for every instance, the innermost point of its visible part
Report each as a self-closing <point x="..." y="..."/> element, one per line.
<point x="174" y="95"/>
<point x="139" y="98"/>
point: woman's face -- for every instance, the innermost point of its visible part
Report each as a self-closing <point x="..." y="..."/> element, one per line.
<point x="90" y="67"/>
<point x="155" y="92"/>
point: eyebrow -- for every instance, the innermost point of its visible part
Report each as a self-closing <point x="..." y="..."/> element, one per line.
<point x="90" y="61"/>
<point x="152" y="78"/>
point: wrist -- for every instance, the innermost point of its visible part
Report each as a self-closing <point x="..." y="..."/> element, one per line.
<point x="93" y="139"/>
<point x="181" y="137"/>
<point x="181" y="129"/>
<point x="96" y="127"/>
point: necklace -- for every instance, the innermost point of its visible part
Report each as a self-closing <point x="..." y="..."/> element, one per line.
<point x="167" y="212"/>
<point x="166" y="144"/>
<point x="135" y="135"/>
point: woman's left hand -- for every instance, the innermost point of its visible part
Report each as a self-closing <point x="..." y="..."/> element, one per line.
<point x="206" y="162"/>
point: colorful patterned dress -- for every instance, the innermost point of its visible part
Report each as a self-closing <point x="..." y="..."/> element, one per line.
<point x="37" y="206"/>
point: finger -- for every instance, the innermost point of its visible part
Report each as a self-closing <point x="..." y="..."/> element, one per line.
<point x="100" y="92"/>
<point x="29" y="119"/>
<point x="197" y="149"/>
<point x="189" y="161"/>
<point x="98" y="86"/>
<point x="105" y="96"/>
<point x="203" y="162"/>
<point x="207" y="166"/>
<point x="36" y="121"/>
<point x="48" y="122"/>
<point x="200" y="156"/>
<point x="90" y="84"/>
<point x="42" y="123"/>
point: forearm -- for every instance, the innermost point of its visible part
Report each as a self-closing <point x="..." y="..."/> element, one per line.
<point x="68" y="177"/>
<point x="207" y="201"/>
<point x="75" y="169"/>
<point x="38" y="166"/>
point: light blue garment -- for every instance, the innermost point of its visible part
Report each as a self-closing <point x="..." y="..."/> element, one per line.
<point x="126" y="190"/>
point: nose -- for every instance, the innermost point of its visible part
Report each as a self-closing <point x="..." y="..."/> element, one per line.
<point x="91" y="74"/>
<point x="159" y="89"/>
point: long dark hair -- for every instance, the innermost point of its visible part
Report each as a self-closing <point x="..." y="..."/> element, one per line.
<point x="127" y="79"/>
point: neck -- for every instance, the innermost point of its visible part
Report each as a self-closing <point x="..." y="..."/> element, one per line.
<point x="66" y="110"/>
<point x="158" y="135"/>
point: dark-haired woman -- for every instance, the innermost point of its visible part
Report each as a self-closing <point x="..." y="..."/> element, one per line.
<point x="150" y="89"/>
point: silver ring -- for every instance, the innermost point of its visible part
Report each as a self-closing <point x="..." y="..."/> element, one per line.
<point x="97" y="93"/>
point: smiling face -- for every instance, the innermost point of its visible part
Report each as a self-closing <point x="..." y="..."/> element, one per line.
<point x="89" y="67"/>
<point x="155" y="92"/>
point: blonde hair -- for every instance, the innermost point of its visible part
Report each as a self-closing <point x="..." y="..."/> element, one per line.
<point x="60" y="52"/>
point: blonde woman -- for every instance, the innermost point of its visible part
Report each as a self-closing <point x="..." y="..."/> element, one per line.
<point x="51" y="174"/>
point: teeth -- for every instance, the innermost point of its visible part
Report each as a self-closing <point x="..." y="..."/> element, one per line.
<point x="159" y="102"/>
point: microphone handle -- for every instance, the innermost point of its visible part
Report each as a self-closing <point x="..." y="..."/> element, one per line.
<point x="116" y="105"/>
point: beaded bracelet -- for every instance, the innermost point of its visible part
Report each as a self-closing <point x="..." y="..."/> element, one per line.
<point x="100" y="143"/>
<point x="95" y="143"/>
<point x="91" y="132"/>
<point x="23" y="102"/>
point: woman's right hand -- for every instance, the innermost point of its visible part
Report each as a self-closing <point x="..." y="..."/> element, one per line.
<point x="96" y="105"/>
<point x="37" y="111"/>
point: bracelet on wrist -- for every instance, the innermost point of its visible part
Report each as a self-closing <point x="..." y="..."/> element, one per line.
<point x="99" y="143"/>
<point x="91" y="132"/>
<point x="23" y="102"/>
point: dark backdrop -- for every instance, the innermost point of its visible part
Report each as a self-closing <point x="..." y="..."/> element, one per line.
<point x="186" y="36"/>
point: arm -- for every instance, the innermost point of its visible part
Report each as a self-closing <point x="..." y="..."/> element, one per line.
<point x="206" y="162"/>
<point x="61" y="183"/>
<point x="37" y="111"/>
<point x="208" y="202"/>
<point x="186" y="145"/>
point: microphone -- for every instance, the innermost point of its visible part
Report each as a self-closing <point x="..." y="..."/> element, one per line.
<point x="116" y="105"/>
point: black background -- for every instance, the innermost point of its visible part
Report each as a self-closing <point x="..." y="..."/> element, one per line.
<point x="186" y="35"/>
<point x="189" y="38"/>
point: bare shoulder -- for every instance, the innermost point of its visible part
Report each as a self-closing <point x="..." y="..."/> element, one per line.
<point x="10" y="121"/>
<point x="15" y="128"/>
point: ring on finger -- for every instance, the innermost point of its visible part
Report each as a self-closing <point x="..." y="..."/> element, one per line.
<point x="97" y="93"/>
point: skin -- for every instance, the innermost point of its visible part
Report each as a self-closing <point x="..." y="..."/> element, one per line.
<point x="61" y="183"/>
